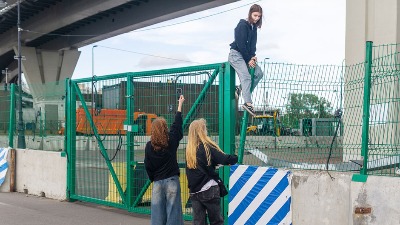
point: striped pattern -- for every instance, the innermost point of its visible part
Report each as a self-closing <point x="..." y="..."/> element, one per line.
<point x="3" y="164"/>
<point x="259" y="195"/>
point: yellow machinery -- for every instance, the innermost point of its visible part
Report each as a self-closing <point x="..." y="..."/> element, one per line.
<point x="265" y="125"/>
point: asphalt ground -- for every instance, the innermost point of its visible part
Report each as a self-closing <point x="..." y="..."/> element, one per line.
<point x="22" y="209"/>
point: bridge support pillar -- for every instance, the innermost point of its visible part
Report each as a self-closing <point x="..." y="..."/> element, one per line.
<point x="45" y="72"/>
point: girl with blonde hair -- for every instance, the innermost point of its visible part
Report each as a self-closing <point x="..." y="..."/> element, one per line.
<point x="202" y="156"/>
<point x="162" y="168"/>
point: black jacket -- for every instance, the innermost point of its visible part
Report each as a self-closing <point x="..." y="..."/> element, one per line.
<point x="245" y="40"/>
<point x="163" y="164"/>
<point x="196" y="178"/>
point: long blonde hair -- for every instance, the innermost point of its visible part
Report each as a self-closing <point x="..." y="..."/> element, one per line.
<point x="198" y="135"/>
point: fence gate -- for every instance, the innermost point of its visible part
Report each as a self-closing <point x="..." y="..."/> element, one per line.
<point x="108" y="124"/>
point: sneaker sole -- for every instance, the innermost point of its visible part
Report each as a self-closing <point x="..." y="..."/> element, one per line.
<point x="251" y="113"/>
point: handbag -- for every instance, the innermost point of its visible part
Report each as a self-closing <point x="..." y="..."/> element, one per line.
<point x="222" y="189"/>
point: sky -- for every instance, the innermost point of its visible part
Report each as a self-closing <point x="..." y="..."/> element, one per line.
<point x="308" y="32"/>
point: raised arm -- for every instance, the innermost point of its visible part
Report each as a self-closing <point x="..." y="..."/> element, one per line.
<point x="181" y="100"/>
<point x="176" y="130"/>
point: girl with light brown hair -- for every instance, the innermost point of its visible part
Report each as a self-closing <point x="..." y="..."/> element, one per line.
<point x="162" y="168"/>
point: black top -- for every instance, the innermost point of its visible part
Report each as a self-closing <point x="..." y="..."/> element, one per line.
<point x="245" y="40"/>
<point x="196" y="178"/>
<point x="163" y="164"/>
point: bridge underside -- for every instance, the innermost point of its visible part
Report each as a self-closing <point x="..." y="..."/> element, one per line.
<point x="59" y="25"/>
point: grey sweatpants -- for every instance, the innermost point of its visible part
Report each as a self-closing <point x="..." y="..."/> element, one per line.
<point x="237" y="62"/>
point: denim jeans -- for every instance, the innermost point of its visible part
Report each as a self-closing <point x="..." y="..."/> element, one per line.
<point x="237" y="62"/>
<point x="209" y="201"/>
<point x="166" y="204"/>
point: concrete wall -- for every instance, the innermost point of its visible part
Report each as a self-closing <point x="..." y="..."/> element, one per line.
<point x="318" y="199"/>
<point x="370" y="20"/>
<point x="377" y="21"/>
<point x="39" y="171"/>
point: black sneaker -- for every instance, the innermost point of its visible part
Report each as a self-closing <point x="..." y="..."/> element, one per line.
<point x="238" y="90"/>
<point x="249" y="108"/>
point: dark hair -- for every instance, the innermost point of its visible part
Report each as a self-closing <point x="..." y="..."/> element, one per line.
<point x="159" y="134"/>
<point x="256" y="8"/>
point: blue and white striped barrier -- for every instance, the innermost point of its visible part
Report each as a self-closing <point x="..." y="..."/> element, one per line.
<point x="3" y="164"/>
<point x="259" y="195"/>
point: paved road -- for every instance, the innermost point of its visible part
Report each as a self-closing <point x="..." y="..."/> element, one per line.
<point x="21" y="209"/>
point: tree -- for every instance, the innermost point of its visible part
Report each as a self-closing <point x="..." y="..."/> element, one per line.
<point x="306" y="106"/>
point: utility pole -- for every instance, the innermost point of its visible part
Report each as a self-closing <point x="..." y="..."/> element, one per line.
<point x="21" y="129"/>
<point x="266" y="102"/>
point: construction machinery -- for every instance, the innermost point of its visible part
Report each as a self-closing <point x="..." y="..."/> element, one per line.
<point x="268" y="124"/>
<point x="111" y="122"/>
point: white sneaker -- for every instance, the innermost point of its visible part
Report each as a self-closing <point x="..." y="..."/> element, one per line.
<point x="249" y="108"/>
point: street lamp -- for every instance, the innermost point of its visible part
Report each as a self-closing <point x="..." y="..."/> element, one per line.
<point x="5" y="72"/>
<point x="341" y="82"/>
<point x="285" y="106"/>
<point x="3" y="4"/>
<point x="265" y="93"/>
<point x="264" y="64"/>
<point x="94" y="46"/>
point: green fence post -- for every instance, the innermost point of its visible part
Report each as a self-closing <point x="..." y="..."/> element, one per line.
<point x="227" y="120"/>
<point x="70" y="136"/>
<point x="366" y="106"/>
<point x="244" y="124"/>
<point x="11" y="125"/>
<point x="130" y="182"/>
<point x="65" y="153"/>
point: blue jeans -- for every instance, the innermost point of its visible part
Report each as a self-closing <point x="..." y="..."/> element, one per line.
<point x="209" y="201"/>
<point x="166" y="204"/>
<point x="237" y="62"/>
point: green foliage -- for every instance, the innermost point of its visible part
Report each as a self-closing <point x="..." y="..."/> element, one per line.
<point x="306" y="106"/>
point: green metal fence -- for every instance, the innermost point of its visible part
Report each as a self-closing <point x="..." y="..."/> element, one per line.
<point x="43" y="115"/>
<point x="381" y="134"/>
<point x="296" y="125"/>
<point x="7" y="115"/>
<point x="342" y="118"/>
<point x="108" y="125"/>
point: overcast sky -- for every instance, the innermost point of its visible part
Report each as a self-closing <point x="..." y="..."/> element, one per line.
<point x="300" y="32"/>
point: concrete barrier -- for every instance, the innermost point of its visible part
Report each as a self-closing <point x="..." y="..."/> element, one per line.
<point x="39" y="173"/>
<point x="316" y="198"/>
<point x="319" y="199"/>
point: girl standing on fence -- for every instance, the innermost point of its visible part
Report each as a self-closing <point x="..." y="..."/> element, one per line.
<point x="242" y="55"/>
<point x="202" y="155"/>
<point x="163" y="170"/>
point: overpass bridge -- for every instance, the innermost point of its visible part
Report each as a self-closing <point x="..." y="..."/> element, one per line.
<point x="53" y="30"/>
